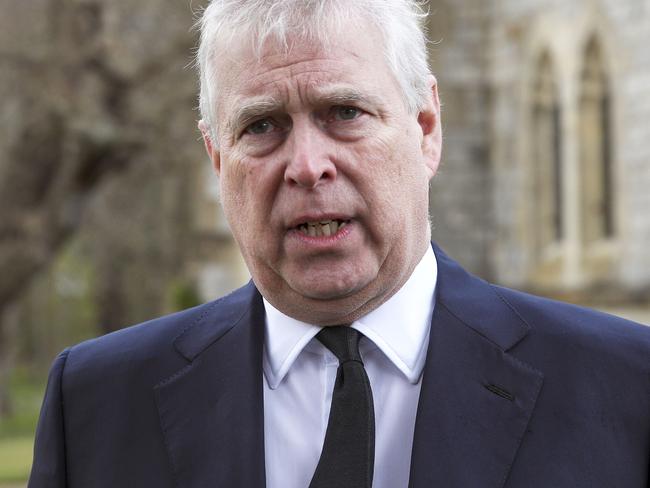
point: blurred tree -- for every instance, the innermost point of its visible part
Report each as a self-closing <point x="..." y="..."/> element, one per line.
<point x="7" y="356"/>
<point x="183" y="294"/>
<point x="78" y="106"/>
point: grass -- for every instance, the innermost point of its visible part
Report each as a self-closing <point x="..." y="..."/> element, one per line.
<point x="17" y="430"/>
<point x="15" y="459"/>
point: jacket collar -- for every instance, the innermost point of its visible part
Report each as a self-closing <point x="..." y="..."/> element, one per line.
<point x="211" y="411"/>
<point x="478" y="305"/>
<point x="476" y="399"/>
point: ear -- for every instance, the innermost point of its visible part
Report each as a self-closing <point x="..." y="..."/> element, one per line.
<point x="429" y="121"/>
<point x="213" y="153"/>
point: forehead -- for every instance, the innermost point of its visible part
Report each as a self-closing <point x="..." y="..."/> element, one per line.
<point x="352" y="62"/>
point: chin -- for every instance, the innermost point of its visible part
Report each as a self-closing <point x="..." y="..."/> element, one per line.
<point x="332" y="279"/>
<point x="324" y="291"/>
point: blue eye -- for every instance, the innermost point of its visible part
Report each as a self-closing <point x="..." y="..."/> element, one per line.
<point x="346" y="113"/>
<point x="262" y="126"/>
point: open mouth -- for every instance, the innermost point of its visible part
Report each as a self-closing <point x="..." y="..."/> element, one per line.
<point x="322" y="228"/>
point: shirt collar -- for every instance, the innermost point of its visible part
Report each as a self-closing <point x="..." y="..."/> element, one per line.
<point x="399" y="327"/>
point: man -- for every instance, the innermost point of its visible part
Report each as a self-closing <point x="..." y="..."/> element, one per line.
<point x="323" y="123"/>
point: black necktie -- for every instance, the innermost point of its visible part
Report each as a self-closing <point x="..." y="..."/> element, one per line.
<point x="348" y="456"/>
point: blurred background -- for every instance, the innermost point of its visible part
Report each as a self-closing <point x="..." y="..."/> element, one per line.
<point x="109" y="212"/>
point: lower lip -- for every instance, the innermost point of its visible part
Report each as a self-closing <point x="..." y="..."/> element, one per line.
<point x="322" y="240"/>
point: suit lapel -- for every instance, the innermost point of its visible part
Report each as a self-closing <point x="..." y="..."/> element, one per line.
<point x="476" y="398"/>
<point x="211" y="411"/>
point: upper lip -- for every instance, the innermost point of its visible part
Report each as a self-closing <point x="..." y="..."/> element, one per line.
<point x="323" y="217"/>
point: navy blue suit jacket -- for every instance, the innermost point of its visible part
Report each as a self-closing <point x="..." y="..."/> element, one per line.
<point x="518" y="391"/>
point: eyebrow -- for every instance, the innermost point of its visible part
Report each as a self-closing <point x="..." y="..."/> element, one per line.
<point x="256" y="108"/>
<point x="335" y="95"/>
<point x="252" y="110"/>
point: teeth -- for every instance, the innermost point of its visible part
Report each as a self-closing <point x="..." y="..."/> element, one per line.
<point x="321" y="228"/>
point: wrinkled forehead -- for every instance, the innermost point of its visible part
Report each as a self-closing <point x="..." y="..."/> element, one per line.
<point x="245" y="68"/>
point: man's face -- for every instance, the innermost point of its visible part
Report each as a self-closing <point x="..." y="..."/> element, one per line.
<point x="324" y="174"/>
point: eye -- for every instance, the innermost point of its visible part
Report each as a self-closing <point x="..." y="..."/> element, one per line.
<point x="345" y="112"/>
<point x="259" y="127"/>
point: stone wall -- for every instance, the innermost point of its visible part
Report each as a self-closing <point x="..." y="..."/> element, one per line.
<point x="460" y="193"/>
<point x="483" y="201"/>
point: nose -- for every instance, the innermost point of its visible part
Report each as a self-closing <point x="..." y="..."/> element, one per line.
<point x="309" y="162"/>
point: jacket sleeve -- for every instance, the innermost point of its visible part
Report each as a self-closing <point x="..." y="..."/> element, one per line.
<point x="49" y="467"/>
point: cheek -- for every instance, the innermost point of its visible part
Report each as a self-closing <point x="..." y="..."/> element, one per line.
<point x="235" y="195"/>
<point x="232" y="180"/>
<point x="394" y="181"/>
<point x="248" y="193"/>
<point x="389" y="165"/>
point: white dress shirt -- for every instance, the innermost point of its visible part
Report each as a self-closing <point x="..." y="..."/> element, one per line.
<point x="299" y="378"/>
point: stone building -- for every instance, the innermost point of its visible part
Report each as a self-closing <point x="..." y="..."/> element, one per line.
<point x="546" y="161"/>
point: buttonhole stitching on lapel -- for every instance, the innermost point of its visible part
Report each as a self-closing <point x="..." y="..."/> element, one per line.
<point x="497" y="390"/>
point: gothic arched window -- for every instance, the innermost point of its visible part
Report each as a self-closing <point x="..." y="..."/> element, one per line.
<point x="597" y="209"/>
<point x="546" y="142"/>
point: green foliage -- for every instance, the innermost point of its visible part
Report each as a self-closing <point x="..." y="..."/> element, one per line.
<point x="59" y="310"/>
<point x="183" y="294"/>
<point x="17" y="431"/>
<point x="27" y="396"/>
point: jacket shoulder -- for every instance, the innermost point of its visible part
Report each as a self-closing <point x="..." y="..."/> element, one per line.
<point x="580" y="329"/>
<point x="149" y="348"/>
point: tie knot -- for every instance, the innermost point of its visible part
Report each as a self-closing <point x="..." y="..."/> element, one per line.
<point x="342" y="340"/>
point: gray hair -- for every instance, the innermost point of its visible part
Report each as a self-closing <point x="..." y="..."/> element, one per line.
<point x="399" y="21"/>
